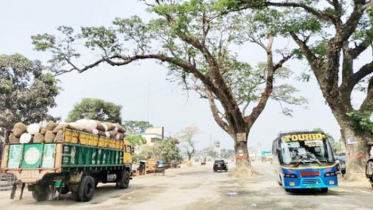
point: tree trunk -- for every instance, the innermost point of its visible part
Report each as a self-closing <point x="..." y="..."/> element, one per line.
<point x="189" y="156"/>
<point x="242" y="155"/>
<point x="357" y="153"/>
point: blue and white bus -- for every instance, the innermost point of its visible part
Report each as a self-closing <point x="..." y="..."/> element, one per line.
<point x="304" y="160"/>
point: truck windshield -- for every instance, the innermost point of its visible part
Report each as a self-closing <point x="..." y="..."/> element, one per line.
<point x="315" y="151"/>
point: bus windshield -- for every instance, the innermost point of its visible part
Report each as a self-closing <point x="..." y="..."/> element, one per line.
<point x="315" y="151"/>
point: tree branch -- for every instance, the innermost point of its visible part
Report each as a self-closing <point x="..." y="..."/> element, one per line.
<point x="367" y="104"/>
<point x="312" y="59"/>
<point x="282" y="61"/>
<point x="352" y="22"/>
<point x="215" y="111"/>
<point x="355" y="52"/>
<point x="359" y="75"/>
<point x="244" y="108"/>
<point x="320" y="14"/>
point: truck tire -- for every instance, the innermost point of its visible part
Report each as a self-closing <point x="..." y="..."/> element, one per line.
<point x="86" y="188"/>
<point x="124" y="180"/>
<point x="41" y="193"/>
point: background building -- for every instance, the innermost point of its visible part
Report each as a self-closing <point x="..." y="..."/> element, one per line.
<point x="153" y="135"/>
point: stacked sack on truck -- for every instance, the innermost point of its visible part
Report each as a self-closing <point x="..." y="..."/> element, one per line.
<point x="53" y="132"/>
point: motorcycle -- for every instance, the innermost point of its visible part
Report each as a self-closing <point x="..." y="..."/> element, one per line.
<point x="369" y="170"/>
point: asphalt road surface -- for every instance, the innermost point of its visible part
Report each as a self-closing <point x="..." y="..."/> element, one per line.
<point x="198" y="187"/>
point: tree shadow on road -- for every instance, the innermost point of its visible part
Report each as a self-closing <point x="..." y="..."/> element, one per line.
<point x="102" y="194"/>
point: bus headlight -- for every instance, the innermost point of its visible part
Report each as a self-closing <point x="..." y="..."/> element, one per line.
<point x="290" y="176"/>
<point x="328" y="174"/>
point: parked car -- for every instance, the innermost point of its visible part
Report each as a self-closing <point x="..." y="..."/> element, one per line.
<point x="341" y="164"/>
<point x="220" y="165"/>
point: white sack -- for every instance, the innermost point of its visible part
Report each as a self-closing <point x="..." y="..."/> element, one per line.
<point x="25" y="138"/>
<point x="33" y="129"/>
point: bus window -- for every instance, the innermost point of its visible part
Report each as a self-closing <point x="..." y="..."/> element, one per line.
<point x="308" y="151"/>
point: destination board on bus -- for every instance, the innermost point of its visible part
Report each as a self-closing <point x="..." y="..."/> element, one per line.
<point x="304" y="137"/>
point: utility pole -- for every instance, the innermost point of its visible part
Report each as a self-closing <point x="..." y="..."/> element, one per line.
<point x="148" y="105"/>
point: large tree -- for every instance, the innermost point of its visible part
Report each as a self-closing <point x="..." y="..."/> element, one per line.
<point x="187" y="137"/>
<point x="96" y="109"/>
<point x="136" y="126"/>
<point x="168" y="149"/>
<point x="196" y="44"/>
<point x="27" y="91"/>
<point x="331" y="35"/>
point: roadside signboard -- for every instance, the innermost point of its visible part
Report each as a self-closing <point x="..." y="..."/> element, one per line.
<point x="352" y="140"/>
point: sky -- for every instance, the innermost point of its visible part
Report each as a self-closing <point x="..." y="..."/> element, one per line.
<point x="143" y="89"/>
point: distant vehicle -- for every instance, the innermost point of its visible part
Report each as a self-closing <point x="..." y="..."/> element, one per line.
<point x="304" y="160"/>
<point x="203" y="161"/>
<point x="369" y="170"/>
<point x="341" y="164"/>
<point x="220" y="165"/>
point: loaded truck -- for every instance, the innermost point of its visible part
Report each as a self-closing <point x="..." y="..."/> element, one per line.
<point x="76" y="164"/>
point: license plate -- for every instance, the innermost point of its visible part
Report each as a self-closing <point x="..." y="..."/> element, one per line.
<point x="313" y="186"/>
<point x="29" y="174"/>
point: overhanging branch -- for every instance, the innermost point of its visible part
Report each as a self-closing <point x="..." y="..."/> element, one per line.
<point x="359" y="75"/>
<point x="318" y="13"/>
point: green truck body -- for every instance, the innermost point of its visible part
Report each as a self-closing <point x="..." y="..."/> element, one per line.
<point x="69" y="166"/>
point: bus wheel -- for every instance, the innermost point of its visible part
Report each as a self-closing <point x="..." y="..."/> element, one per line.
<point x="86" y="188"/>
<point x="124" y="180"/>
<point x="279" y="180"/>
<point x="41" y="193"/>
<point x="324" y="190"/>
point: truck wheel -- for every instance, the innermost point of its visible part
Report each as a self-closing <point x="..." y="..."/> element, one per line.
<point x="124" y="181"/>
<point x="86" y="188"/>
<point x="41" y="193"/>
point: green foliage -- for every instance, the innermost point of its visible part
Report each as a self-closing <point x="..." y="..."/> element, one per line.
<point x="136" y="140"/>
<point x="26" y="91"/>
<point x="361" y="120"/>
<point x="95" y="109"/>
<point x="168" y="149"/>
<point x="137" y="126"/>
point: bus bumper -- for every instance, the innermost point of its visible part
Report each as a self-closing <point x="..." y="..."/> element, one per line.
<point x="310" y="183"/>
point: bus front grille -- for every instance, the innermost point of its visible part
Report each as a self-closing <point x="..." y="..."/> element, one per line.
<point x="311" y="181"/>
